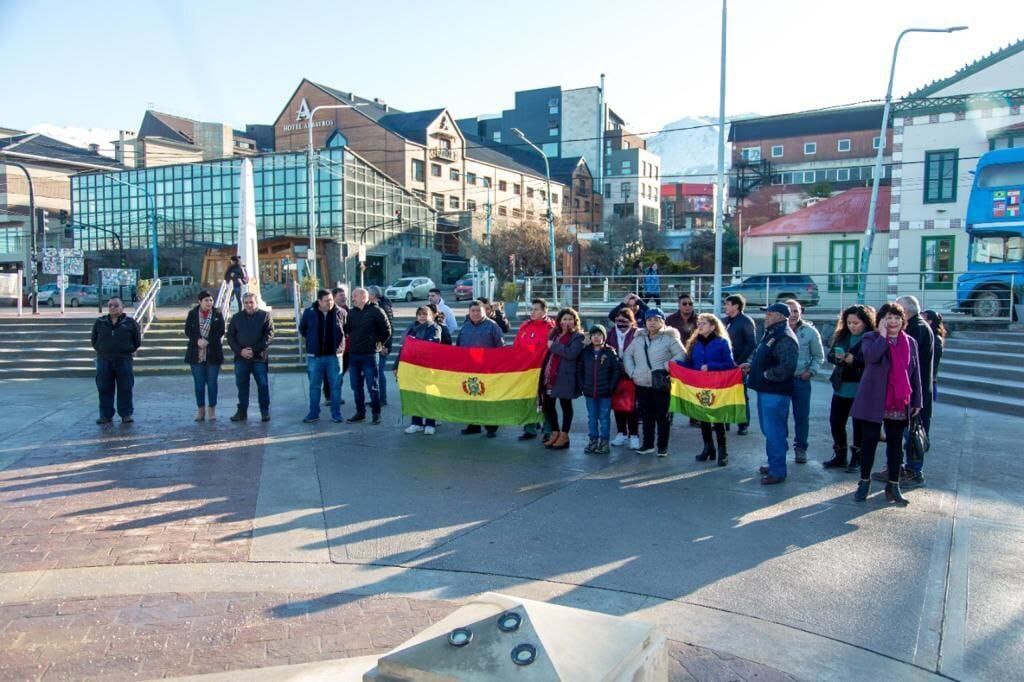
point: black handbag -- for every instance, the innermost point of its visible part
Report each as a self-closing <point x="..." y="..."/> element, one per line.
<point x="918" y="442"/>
<point x="836" y="379"/>
<point x="660" y="379"/>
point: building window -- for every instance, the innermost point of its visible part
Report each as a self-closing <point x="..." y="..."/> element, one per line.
<point x="843" y="145"/>
<point x="453" y="174"/>
<point x="502" y="211"/>
<point x="842" y="260"/>
<point x="842" y="174"/>
<point x="438" y="200"/>
<point x="486" y="182"/>
<point x="470" y="204"/>
<point x="627" y="167"/>
<point x="435" y="170"/>
<point x="496" y="136"/>
<point x="777" y="151"/>
<point x="543" y="195"/>
<point x="553" y="132"/>
<point x="808" y="177"/>
<point x="751" y="154"/>
<point x="554" y="198"/>
<point x="576" y="203"/>
<point x="875" y="141"/>
<point x="550" y="149"/>
<point x="786" y="257"/>
<point x="529" y="192"/>
<point x="937" y="262"/>
<point x="502" y="186"/>
<point x="607" y="190"/>
<point x="453" y="202"/>
<point x="553" y="106"/>
<point x="516" y="213"/>
<point x="940" y="176"/>
<point x="810" y="148"/>
<point x="517" y="189"/>
<point x="418" y="171"/>
<point x="624" y="190"/>
<point x="529" y="215"/>
<point x="470" y="178"/>
<point x="586" y="205"/>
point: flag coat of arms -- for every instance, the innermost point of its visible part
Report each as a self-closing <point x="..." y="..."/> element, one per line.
<point x="493" y="386"/>
<point x="715" y="397"/>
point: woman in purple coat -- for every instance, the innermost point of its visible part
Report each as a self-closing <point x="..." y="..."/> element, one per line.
<point x="888" y="395"/>
<point x="709" y="350"/>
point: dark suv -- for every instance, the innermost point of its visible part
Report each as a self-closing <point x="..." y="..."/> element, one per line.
<point x="765" y="289"/>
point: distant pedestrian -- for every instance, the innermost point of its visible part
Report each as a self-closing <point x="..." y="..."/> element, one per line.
<point x="441" y="320"/>
<point x="479" y="331"/>
<point x="424" y="329"/>
<point x="598" y="372"/>
<point x="115" y="338"/>
<point x="683" y="320"/>
<point x="652" y="286"/>
<point x="250" y="333"/>
<point x="368" y="330"/>
<point x="888" y="396"/>
<point x="323" y="328"/>
<point x="709" y="350"/>
<point x="627" y="422"/>
<point x="532" y="334"/>
<point x="935" y="321"/>
<point x="204" y="328"/>
<point x="646" y="363"/>
<point x="377" y="297"/>
<point x="635" y="305"/>
<point x="449" y="315"/>
<point x="341" y="303"/>
<point x="743" y="336"/>
<point x="846" y="353"/>
<point x="808" y="364"/>
<point x="558" y="375"/>
<point x="237" y="278"/>
<point x="770" y="373"/>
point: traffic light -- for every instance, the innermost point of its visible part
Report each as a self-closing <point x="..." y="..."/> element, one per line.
<point x="42" y="215"/>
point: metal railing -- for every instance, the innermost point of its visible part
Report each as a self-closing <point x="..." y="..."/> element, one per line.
<point x="178" y="280"/>
<point x="145" y="311"/>
<point x="995" y="297"/>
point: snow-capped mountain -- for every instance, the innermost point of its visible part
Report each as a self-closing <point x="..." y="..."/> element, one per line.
<point x="80" y="137"/>
<point x="689" y="148"/>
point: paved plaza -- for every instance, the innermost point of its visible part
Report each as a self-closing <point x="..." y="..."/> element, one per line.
<point x="168" y="548"/>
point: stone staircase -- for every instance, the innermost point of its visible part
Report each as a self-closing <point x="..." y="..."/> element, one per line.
<point x="984" y="370"/>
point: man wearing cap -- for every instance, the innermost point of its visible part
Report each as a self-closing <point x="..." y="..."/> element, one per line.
<point x="770" y="373"/>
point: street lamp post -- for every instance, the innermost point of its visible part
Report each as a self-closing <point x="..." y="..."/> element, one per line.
<point x="311" y="181"/>
<point x="551" y="216"/>
<point x="720" y="185"/>
<point x="151" y="215"/>
<point x="32" y="231"/>
<point x="869" y="230"/>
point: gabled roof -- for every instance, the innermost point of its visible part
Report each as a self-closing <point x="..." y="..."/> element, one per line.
<point x="969" y="70"/>
<point x="562" y="169"/>
<point x="41" y="146"/>
<point x="505" y="156"/>
<point x="412" y="125"/>
<point x="845" y="212"/>
<point x="844" y="120"/>
<point x="369" y="108"/>
<point x="159" y="124"/>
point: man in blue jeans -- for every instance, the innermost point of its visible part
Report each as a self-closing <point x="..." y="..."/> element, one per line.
<point x="367" y="329"/>
<point x="322" y="326"/>
<point x="378" y="298"/>
<point x="770" y="373"/>
<point x="810" y="356"/>
<point x="115" y="338"/>
<point x="249" y="334"/>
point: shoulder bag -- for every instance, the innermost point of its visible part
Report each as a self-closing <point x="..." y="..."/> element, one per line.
<point x="660" y="380"/>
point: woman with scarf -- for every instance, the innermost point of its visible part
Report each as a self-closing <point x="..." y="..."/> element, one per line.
<point x="204" y="327"/>
<point x="559" y="376"/>
<point x="627" y="423"/>
<point x="889" y="394"/>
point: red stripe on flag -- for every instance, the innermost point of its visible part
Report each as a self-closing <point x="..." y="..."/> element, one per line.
<point x="471" y="360"/>
<point x="719" y="379"/>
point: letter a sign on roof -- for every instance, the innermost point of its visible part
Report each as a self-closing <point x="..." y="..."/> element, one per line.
<point x="303" y="110"/>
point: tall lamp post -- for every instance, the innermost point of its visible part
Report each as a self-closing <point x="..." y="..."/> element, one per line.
<point x="551" y="216"/>
<point x="151" y="216"/>
<point x="32" y="232"/>
<point x="869" y="230"/>
<point x="311" y="180"/>
<point x="720" y="185"/>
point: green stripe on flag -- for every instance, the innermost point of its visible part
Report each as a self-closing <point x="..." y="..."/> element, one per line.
<point x="486" y="412"/>
<point x="727" y="414"/>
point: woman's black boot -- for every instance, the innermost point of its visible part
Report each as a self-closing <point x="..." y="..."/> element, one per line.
<point x="854" y="465"/>
<point x="894" y="494"/>
<point x="838" y="458"/>
<point x="707" y="453"/>
<point x="863" y="488"/>
<point x="723" y="454"/>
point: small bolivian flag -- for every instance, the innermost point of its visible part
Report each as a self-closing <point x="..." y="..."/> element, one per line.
<point x="715" y="397"/>
<point x="490" y="386"/>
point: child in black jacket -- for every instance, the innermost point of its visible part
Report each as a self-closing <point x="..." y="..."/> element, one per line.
<point x="598" y="372"/>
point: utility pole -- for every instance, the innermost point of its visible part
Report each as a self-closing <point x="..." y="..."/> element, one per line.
<point x="720" y="198"/>
<point x="487" y="234"/>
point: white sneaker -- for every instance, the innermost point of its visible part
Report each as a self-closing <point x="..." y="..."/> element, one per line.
<point x="619" y="440"/>
<point x="634" y="442"/>
<point x="428" y="431"/>
<point x="413" y="428"/>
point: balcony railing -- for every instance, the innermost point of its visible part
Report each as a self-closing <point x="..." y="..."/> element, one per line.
<point x="442" y="153"/>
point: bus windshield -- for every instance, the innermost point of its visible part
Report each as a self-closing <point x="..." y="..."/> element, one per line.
<point x="1001" y="175"/>
<point x="998" y="249"/>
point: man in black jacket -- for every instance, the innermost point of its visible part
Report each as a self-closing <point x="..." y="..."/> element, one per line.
<point x="378" y="298"/>
<point x="367" y="329"/>
<point x="743" y="337"/>
<point x="919" y="328"/>
<point x="322" y="326"/>
<point x="249" y="334"/>
<point x="236" y="277"/>
<point x="115" y="338"/>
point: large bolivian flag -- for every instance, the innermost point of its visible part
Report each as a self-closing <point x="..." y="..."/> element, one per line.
<point x="470" y="385"/>
<point x="708" y="396"/>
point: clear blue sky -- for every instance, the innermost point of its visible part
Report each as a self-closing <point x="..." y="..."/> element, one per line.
<point x="101" y="63"/>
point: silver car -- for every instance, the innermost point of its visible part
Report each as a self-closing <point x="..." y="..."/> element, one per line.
<point x="410" y="288"/>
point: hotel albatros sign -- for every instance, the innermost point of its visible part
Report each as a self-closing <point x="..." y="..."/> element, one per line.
<point x="303" y="120"/>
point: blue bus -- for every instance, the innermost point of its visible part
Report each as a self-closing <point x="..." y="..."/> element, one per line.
<point x="995" y="225"/>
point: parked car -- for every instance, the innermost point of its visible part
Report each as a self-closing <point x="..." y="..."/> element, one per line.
<point x="409" y="288"/>
<point x="765" y="289"/>
<point x="464" y="289"/>
<point x="74" y="295"/>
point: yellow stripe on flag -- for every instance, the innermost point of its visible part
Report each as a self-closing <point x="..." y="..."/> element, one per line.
<point x="469" y="386"/>
<point x="708" y="398"/>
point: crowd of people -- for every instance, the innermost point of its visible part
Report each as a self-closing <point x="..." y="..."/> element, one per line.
<point x="883" y="363"/>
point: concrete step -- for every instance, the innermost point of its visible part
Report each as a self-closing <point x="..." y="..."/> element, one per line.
<point x="986" y="346"/>
<point x="988" y="386"/>
<point x="980" y="400"/>
<point x="973" y="370"/>
<point x="140" y="370"/>
<point x="983" y="356"/>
